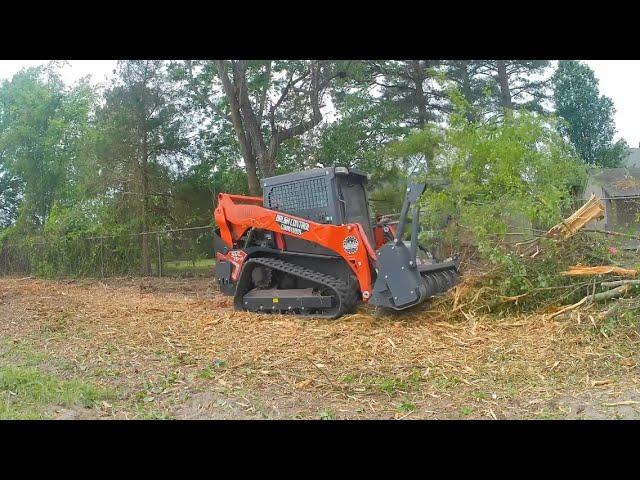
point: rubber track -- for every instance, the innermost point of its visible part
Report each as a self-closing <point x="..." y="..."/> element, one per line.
<point x="347" y="296"/>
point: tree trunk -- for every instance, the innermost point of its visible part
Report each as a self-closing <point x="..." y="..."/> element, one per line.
<point x="421" y="101"/>
<point x="503" y="83"/>
<point x="251" y="163"/>
<point x="251" y="166"/>
<point x="466" y="91"/>
<point x="269" y="163"/>
<point x="146" y="260"/>
<point x="247" y="124"/>
<point x="248" y="153"/>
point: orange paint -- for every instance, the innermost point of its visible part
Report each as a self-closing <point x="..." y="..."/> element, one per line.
<point x="235" y="214"/>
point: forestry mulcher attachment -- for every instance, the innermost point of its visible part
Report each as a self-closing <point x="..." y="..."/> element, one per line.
<point x="308" y="247"/>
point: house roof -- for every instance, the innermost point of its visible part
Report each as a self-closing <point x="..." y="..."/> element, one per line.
<point x="618" y="182"/>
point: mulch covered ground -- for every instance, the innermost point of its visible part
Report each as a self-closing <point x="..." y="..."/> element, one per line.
<point x="175" y="348"/>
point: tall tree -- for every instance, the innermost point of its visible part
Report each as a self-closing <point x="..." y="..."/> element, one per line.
<point x="142" y="140"/>
<point x="42" y="126"/>
<point x="379" y="102"/>
<point x="589" y="122"/>
<point x="414" y="87"/>
<point x="266" y="102"/>
<point x="518" y="84"/>
<point x="475" y="88"/>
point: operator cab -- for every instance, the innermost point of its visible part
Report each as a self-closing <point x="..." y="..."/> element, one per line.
<point x="333" y="195"/>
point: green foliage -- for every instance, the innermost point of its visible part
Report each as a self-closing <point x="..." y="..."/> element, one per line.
<point x="501" y="174"/>
<point x="43" y="268"/>
<point x="469" y="79"/>
<point x="391" y="385"/>
<point x="501" y="177"/>
<point x="140" y="144"/>
<point x="157" y="145"/>
<point x="417" y="150"/>
<point x="413" y="87"/>
<point x="42" y="127"/>
<point x="355" y="139"/>
<point x="539" y="277"/>
<point x="589" y="116"/>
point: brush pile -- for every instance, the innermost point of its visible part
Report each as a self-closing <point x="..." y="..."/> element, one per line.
<point x="556" y="272"/>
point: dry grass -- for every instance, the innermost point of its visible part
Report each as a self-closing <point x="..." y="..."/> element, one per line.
<point x="167" y="342"/>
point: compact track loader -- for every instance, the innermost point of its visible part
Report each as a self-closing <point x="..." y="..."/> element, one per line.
<point x="308" y="246"/>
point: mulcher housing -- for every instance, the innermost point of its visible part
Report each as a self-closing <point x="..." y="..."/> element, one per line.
<point x="308" y="246"/>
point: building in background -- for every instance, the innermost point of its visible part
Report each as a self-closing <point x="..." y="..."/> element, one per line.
<point x="619" y="190"/>
<point x="633" y="160"/>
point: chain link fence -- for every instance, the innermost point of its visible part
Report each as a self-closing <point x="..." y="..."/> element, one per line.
<point x="186" y="252"/>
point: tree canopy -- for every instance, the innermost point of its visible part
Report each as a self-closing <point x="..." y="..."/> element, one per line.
<point x="152" y="148"/>
<point x="588" y="116"/>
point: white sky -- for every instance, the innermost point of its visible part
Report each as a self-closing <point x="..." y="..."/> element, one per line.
<point x="99" y="70"/>
<point x="619" y="80"/>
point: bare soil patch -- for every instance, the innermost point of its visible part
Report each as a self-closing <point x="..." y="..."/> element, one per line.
<point x="176" y="349"/>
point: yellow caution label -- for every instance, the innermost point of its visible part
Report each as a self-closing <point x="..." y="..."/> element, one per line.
<point x="276" y="300"/>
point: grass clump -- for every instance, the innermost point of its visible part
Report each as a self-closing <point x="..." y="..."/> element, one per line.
<point x="407" y="406"/>
<point x="327" y="415"/>
<point x="26" y="393"/>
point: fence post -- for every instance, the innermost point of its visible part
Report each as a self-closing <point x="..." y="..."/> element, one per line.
<point x="159" y="254"/>
<point x="102" y="257"/>
<point x="64" y="256"/>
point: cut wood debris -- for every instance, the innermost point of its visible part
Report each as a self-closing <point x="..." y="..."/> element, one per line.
<point x="578" y="270"/>
<point x="617" y="404"/>
<point x="364" y="366"/>
<point x="593" y="209"/>
<point x="568" y="308"/>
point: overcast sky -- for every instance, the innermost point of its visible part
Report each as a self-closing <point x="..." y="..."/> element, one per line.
<point x="619" y="79"/>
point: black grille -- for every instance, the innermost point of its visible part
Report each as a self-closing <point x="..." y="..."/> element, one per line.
<point x="299" y="196"/>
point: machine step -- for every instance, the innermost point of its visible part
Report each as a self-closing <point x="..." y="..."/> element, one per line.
<point x="284" y="299"/>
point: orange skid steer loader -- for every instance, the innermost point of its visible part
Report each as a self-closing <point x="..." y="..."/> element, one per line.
<point x="308" y="246"/>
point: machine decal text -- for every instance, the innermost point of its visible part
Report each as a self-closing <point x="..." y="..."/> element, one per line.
<point x="292" y="225"/>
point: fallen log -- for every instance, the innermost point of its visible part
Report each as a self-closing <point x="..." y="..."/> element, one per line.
<point x="579" y="270"/>
<point x="620" y="282"/>
<point x="609" y="294"/>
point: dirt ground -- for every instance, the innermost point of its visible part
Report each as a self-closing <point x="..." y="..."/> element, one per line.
<point x="176" y="349"/>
